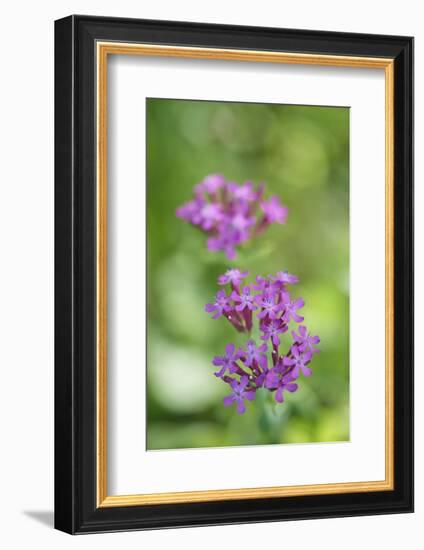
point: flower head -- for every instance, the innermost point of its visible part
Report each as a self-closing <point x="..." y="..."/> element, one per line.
<point x="250" y="368"/>
<point x="229" y="213"/>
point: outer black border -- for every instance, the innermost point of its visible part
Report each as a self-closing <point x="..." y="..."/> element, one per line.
<point x="75" y="275"/>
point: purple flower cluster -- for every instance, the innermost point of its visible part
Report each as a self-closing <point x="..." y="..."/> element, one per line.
<point x="249" y="369"/>
<point x="229" y="213"/>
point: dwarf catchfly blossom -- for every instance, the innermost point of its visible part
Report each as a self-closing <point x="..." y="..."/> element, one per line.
<point x="298" y="361"/>
<point x="227" y="361"/>
<point x="220" y="306"/>
<point x="284" y="278"/>
<point x="280" y="381"/>
<point x="265" y="366"/>
<point x="274" y="211"/>
<point x="240" y="392"/>
<point x="270" y="308"/>
<point x="273" y="329"/>
<point x="233" y="276"/>
<point x="291" y="307"/>
<point x="255" y="356"/>
<point x="244" y="299"/>
<point x="305" y="341"/>
<point x="230" y="214"/>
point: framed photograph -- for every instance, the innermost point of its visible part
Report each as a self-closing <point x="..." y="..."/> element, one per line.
<point x="234" y="274"/>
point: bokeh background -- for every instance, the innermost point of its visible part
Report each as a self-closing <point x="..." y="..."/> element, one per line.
<point x="302" y="154"/>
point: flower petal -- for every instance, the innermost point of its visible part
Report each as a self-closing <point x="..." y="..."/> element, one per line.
<point x="275" y="340"/>
<point x="307" y="356"/>
<point x="295" y="351"/>
<point x="263" y="362"/>
<point x="220" y="373"/>
<point x="250" y="395"/>
<point x="234" y="385"/>
<point x="297" y="318"/>
<point x="230" y="349"/>
<point x="228" y="400"/>
<point x="279" y="395"/>
<point x="244" y="380"/>
<point x="295" y="372"/>
<point x="241" y="407"/>
<point x="288" y="362"/>
<point x="306" y="371"/>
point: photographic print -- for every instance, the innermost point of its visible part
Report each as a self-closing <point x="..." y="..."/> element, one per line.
<point x="247" y="274"/>
<point x="233" y="274"/>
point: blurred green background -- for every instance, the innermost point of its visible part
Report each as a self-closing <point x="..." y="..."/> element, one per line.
<point x="302" y="154"/>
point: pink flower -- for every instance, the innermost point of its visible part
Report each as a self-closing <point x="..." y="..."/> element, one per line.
<point x="228" y="212"/>
<point x="274" y="211"/>
<point x="248" y="369"/>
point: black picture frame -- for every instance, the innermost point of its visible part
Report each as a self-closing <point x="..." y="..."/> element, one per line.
<point x="76" y="508"/>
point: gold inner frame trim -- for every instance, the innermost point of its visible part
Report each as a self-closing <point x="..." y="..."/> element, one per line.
<point x="103" y="50"/>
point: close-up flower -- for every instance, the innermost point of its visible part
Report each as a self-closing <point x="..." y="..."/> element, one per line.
<point x="274" y="211"/>
<point x="272" y="330"/>
<point x="284" y="278"/>
<point x="248" y="273"/>
<point x="230" y="213"/>
<point x="233" y="276"/>
<point x="290" y="308"/>
<point x="265" y="366"/>
<point x="240" y="392"/>
<point x="270" y="306"/>
<point x="227" y="361"/>
<point x="220" y="306"/>
<point x="298" y="362"/>
<point x="279" y="380"/>
<point x="305" y="341"/>
<point x="255" y="356"/>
